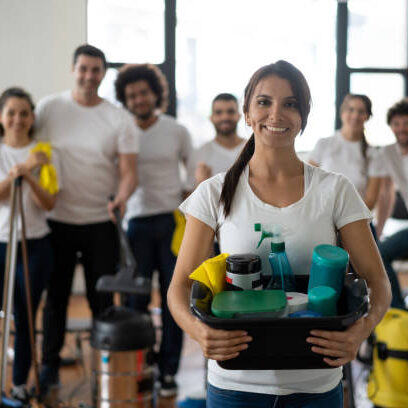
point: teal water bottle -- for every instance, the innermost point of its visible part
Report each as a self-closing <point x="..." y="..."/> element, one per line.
<point x="282" y="275"/>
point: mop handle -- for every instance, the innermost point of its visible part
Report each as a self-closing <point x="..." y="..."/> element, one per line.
<point x="30" y="316"/>
<point x="126" y="255"/>
<point x="9" y="281"/>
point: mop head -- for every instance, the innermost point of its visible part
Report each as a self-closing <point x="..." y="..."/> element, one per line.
<point x="124" y="282"/>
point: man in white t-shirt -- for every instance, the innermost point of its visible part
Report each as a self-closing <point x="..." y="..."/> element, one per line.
<point x="97" y="146"/>
<point x="395" y="160"/>
<point x="217" y="155"/>
<point x="164" y="145"/>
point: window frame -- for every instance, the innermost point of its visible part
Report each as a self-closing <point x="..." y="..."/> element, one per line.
<point x="344" y="72"/>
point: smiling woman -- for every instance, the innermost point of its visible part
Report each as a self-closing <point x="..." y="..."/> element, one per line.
<point x="269" y="183"/>
<point x="274" y="114"/>
<point x="21" y="159"/>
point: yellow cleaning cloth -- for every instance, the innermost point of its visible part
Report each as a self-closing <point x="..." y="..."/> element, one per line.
<point x="178" y="233"/>
<point x="48" y="175"/>
<point x="212" y="273"/>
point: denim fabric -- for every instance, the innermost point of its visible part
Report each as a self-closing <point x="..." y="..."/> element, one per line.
<point x="40" y="264"/>
<point x="218" y="398"/>
<point x="150" y="239"/>
<point x="394" y="248"/>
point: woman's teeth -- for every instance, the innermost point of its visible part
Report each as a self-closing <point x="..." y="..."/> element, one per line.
<point x="275" y="129"/>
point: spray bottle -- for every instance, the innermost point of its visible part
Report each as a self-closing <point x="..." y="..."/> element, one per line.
<point x="282" y="276"/>
<point x="266" y="274"/>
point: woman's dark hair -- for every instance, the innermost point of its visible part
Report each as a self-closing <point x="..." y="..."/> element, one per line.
<point x="143" y="72"/>
<point x="16" y="93"/>
<point x="301" y="92"/>
<point x="368" y="106"/>
<point x="398" y="109"/>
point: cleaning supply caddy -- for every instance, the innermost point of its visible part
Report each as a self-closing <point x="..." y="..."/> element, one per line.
<point x="280" y="342"/>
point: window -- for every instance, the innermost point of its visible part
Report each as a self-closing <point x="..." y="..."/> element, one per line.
<point x="377" y="33"/>
<point x="221" y="43"/>
<point x="130" y="31"/>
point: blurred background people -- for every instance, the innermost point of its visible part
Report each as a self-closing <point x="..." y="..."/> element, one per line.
<point x="98" y="147"/>
<point x="18" y="160"/>
<point x="217" y="155"/>
<point x="164" y="146"/>
<point x="347" y="151"/>
<point x="395" y="161"/>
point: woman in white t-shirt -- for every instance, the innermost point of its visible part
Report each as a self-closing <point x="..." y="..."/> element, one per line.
<point x="17" y="160"/>
<point x="347" y="151"/>
<point x="269" y="184"/>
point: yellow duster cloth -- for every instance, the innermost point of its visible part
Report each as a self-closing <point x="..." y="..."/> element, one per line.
<point x="178" y="233"/>
<point x="212" y="273"/>
<point x="48" y="175"/>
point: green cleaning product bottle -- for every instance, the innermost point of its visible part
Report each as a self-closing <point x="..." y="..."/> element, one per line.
<point x="282" y="275"/>
<point x="266" y="232"/>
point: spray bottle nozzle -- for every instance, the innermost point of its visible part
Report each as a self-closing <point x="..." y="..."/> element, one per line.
<point x="264" y="234"/>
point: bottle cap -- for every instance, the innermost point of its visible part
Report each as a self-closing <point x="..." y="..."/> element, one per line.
<point x="304" y="313"/>
<point x="243" y="263"/>
<point x="330" y="256"/>
<point x="322" y="299"/>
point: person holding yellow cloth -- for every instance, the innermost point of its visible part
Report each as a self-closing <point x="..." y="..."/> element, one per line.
<point x="21" y="156"/>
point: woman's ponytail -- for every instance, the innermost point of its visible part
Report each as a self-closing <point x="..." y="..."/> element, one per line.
<point x="234" y="173"/>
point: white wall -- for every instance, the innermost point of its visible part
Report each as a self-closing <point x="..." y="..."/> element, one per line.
<point x="37" y="40"/>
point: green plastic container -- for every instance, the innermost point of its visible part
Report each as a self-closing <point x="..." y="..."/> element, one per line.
<point x="249" y="303"/>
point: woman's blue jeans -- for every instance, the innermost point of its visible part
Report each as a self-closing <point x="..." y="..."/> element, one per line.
<point x="218" y="398"/>
<point x="40" y="264"/>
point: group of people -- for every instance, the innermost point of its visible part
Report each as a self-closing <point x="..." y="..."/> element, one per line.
<point x="373" y="171"/>
<point x="98" y="151"/>
<point x="134" y="154"/>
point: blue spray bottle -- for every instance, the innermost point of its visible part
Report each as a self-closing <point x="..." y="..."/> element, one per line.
<point x="282" y="275"/>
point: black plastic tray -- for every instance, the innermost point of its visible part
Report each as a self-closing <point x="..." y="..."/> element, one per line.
<point x="280" y="343"/>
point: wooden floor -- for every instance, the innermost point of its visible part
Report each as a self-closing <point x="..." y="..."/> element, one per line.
<point x="75" y="390"/>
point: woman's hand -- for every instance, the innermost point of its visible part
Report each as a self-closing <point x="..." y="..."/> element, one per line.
<point x="36" y="159"/>
<point x="220" y="345"/>
<point x="19" y="170"/>
<point x="340" y="347"/>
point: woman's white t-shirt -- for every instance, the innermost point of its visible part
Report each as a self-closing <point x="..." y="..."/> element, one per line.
<point x="329" y="203"/>
<point x="339" y="155"/>
<point x="35" y="217"/>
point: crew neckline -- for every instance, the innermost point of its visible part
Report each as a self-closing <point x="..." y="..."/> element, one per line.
<point x="308" y="177"/>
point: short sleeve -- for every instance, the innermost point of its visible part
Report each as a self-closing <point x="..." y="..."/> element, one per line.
<point x="349" y="206"/>
<point x="377" y="166"/>
<point x="317" y="154"/>
<point x="186" y="145"/>
<point x="41" y="119"/>
<point x="128" y="138"/>
<point x="55" y="160"/>
<point x="191" y="167"/>
<point x="203" y="203"/>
